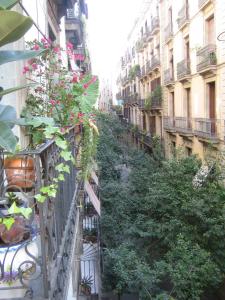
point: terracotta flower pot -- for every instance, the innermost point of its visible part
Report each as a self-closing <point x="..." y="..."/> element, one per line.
<point x="20" y="171"/>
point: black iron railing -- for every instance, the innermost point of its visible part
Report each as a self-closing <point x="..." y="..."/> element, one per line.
<point x="206" y="57"/>
<point x="183" y="16"/>
<point x="168" y="32"/>
<point x="207" y="128"/>
<point x="155" y="62"/>
<point x="168" y="77"/>
<point x="183" y="69"/>
<point x="155" y="25"/>
<point x="183" y="124"/>
<point x="40" y="264"/>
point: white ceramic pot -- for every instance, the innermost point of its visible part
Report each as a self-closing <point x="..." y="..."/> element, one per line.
<point x="18" y="264"/>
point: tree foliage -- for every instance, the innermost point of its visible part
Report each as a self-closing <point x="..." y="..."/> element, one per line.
<point x="162" y="236"/>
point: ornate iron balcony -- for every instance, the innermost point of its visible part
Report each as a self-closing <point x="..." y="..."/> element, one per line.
<point x="148" y="67"/>
<point x="168" y="77"/>
<point x="169" y="123"/>
<point x="155" y="25"/>
<point x="207" y="128"/>
<point x="39" y="265"/>
<point x="183" y="16"/>
<point x="183" y="69"/>
<point x="155" y="62"/>
<point x="183" y="124"/>
<point x="207" y="59"/>
<point x="168" y="32"/>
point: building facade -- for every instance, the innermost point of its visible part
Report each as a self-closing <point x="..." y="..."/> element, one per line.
<point x="180" y="90"/>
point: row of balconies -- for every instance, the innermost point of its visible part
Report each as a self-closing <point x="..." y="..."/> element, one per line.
<point x="207" y="62"/>
<point x="148" y="35"/>
<point x="201" y="127"/>
<point x="183" y="19"/>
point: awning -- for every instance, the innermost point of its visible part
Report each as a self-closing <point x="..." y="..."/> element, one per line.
<point x="94" y="177"/>
<point x="93" y="198"/>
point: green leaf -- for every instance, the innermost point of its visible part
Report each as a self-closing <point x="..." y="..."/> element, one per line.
<point x="51" y="131"/>
<point x="60" y="167"/>
<point x="61" y="143"/>
<point x="11" y="90"/>
<point x="14" y="209"/>
<point x="67" y="169"/>
<point x="26" y="212"/>
<point x="61" y="177"/>
<point x="9" y="56"/>
<point x="52" y="193"/>
<point x="8" y="140"/>
<point x="7" y="114"/>
<point x="8" y="4"/>
<point x="13" y="26"/>
<point x="8" y="222"/>
<point x="66" y="155"/>
<point x="40" y="198"/>
<point x="35" y="121"/>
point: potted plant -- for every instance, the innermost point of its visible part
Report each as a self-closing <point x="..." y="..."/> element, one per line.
<point x="7" y="201"/>
<point x="85" y="285"/>
<point x="19" y="170"/>
<point x="90" y="235"/>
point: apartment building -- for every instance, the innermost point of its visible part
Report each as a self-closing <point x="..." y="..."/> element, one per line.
<point x="193" y="60"/>
<point x="105" y="100"/>
<point x="140" y="80"/>
<point x="184" y="56"/>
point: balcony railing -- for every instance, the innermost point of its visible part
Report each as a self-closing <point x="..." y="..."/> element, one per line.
<point x="207" y="128"/>
<point x="148" y="67"/>
<point x="155" y="25"/>
<point x="168" y="77"/>
<point x="141" y="103"/>
<point x="156" y="102"/>
<point x="179" y="124"/>
<point x="169" y="123"/>
<point x="143" y="71"/>
<point x="206" y="58"/>
<point x="183" y="69"/>
<point x="39" y="266"/>
<point x="183" y="16"/>
<point x="168" y="32"/>
<point x="155" y="62"/>
<point x="183" y="124"/>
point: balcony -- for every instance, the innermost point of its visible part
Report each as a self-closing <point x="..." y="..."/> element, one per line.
<point x="155" y="63"/>
<point x="143" y="72"/>
<point x="183" y="70"/>
<point x="183" y="125"/>
<point x="148" y="67"/>
<point x="141" y="103"/>
<point x="169" y="123"/>
<point x="149" y="35"/>
<point x="168" y="32"/>
<point x="39" y="266"/>
<point x="155" y="25"/>
<point x="168" y="77"/>
<point x="207" y="128"/>
<point x="203" y="3"/>
<point x="207" y="60"/>
<point x="156" y="102"/>
<point x="140" y="46"/>
<point x="183" y="17"/>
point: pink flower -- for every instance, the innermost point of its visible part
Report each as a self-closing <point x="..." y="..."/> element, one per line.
<point x="34" y="66"/>
<point x="26" y="69"/>
<point x="75" y="79"/>
<point x="56" y="49"/>
<point x="69" y="46"/>
<point x="52" y="102"/>
<point x="85" y="86"/>
<point x="36" y="47"/>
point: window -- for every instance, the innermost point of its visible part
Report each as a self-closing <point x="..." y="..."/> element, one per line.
<point x="187" y="49"/>
<point x="211" y="87"/>
<point x="188" y="151"/>
<point x="210" y="30"/>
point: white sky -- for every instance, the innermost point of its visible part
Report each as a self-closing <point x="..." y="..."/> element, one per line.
<point x="109" y="24"/>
